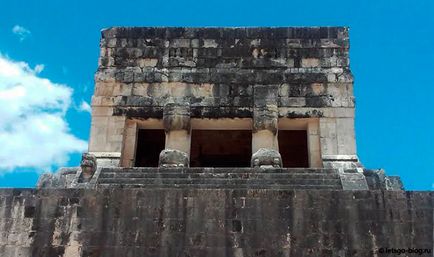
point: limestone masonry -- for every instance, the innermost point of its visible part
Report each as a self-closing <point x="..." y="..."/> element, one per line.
<point x="258" y="79"/>
<point x="219" y="142"/>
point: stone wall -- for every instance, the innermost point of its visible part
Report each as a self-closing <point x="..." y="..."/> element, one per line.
<point x="217" y="70"/>
<point x="140" y="222"/>
<point x="263" y="74"/>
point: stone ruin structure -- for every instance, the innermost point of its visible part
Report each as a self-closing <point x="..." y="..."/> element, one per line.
<point x="191" y="92"/>
<point x="219" y="142"/>
<point x="226" y="98"/>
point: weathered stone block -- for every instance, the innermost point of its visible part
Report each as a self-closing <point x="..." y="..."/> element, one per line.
<point x="310" y="62"/>
<point x="61" y="179"/>
<point x="173" y="158"/>
<point x="266" y="158"/>
<point x="353" y="180"/>
<point x="147" y="62"/>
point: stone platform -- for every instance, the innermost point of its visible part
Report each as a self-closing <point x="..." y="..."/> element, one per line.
<point x="230" y="178"/>
<point x="141" y="222"/>
<point x="224" y="178"/>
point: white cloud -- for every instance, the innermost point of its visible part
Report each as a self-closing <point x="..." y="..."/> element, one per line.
<point x="85" y="107"/>
<point x="21" y="32"/>
<point x="33" y="129"/>
<point x="39" y="68"/>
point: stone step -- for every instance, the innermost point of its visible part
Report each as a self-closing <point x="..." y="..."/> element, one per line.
<point x="219" y="186"/>
<point x="219" y="181"/>
<point x="220" y="170"/>
<point x="219" y="175"/>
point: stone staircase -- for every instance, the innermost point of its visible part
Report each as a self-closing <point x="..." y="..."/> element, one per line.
<point x="220" y="178"/>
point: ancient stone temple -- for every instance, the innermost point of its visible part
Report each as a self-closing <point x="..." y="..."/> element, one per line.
<point x="219" y="142"/>
<point x="215" y="97"/>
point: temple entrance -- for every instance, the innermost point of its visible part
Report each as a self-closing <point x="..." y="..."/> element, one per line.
<point x="150" y="142"/>
<point x="293" y="148"/>
<point x="221" y="148"/>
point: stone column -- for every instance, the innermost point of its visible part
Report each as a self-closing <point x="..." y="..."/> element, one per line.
<point x="265" y="119"/>
<point x="313" y="144"/>
<point x="265" y="146"/>
<point x="106" y="139"/>
<point x="130" y="144"/>
<point x="338" y="144"/>
<point x="176" y="121"/>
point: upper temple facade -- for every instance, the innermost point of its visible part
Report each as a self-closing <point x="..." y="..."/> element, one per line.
<point x="214" y="102"/>
<point x="218" y="95"/>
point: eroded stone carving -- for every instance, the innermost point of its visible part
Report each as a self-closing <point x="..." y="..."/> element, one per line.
<point x="88" y="167"/>
<point x="266" y="158"/>
<point x="173" y="158"/>
<point x="265" y="118"/>
<point x="176" y="117"/>
<point x="63" y="178"/>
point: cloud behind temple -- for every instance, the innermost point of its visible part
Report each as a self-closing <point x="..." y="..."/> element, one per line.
<point x="33" y="130"/>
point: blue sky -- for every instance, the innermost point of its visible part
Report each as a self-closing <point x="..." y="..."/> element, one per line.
<point x="392" y="59"/>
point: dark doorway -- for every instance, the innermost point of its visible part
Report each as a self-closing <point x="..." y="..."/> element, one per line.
<point x="293" y="148"/>
<point x="150" y="142"/>
<point x="221" y="148"/>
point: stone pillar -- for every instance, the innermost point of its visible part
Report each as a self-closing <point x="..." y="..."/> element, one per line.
<point x="265" y="126"/>
<point x="130" y="144"/>
<point x="338" y="144"/>
<point x="313" y="144"/>
<point x="106" y="139"/>
<point x="176" y="121"/>
<point x="265" y="119"/>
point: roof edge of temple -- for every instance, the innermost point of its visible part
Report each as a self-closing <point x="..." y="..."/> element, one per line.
<point x="323" y="32"/>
